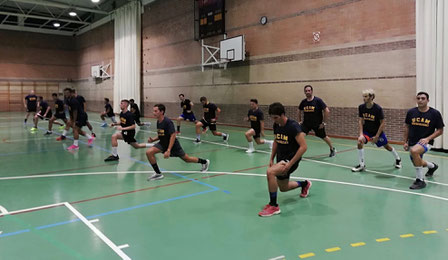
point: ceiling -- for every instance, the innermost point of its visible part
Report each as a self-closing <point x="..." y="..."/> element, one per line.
<point x="41" y="15"/>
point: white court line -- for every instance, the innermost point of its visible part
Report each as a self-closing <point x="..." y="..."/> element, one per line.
<point x="98" y="232"/>
<point x="3" y="210"/>
<point x="32" y="209"/>
<point x="94" y="220"/>
<point x="278" y="258"/>
<point x="123" y="246"/>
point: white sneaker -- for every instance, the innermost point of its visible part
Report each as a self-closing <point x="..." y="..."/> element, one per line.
<point x="205" y="166"/>
<point x="155" y="176"/>
<point x="250" y="150"/>
<point x="359" y="168"/>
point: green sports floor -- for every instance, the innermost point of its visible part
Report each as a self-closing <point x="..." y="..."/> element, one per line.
<point x="72" y="205"/>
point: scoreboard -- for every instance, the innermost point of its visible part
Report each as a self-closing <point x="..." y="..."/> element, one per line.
<point x="211" y="18"/>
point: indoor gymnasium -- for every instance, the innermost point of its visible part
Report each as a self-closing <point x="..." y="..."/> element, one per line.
<point x="223" y="129"/>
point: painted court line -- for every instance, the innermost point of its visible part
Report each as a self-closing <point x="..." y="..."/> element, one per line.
<point x="98" y="232"/>
<point x="406" y="235"/>
<point x="94" y="220"/>
<point x="380" y="240"/>
<point x="123" y="246"/>
<point x="3" y="210"/>
<point x="282" y="257"/>
<point x="32" y="209"/>
<point x="358" y="244"/>
<point x="303" y="256"/>
<point x="429" y="232"/>
<point x="333" y="249"/>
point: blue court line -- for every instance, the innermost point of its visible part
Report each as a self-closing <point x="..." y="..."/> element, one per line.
<point x="14" y="233"/>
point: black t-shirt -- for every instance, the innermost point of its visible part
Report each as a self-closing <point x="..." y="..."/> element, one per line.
<point x="31" y="101"/>
<point x="423" y="124"/>
<point x="59" y="106"/>
<point x="209" y="111"/>
<point x="372" y="117"/>
<point x="312" y="111"/>
<point x="164" y="130"/>
<point x="81" y="101"/>
<point x="43" y="105"/>
<point x="73" y="105"/>
<point x="255" y="117"/>
<point x="285" y="137"/>
<point x="111" y="110"/>
<point x="186" y="106"/>
<point x="127" y="119"/>
<point x="136" y="109"/>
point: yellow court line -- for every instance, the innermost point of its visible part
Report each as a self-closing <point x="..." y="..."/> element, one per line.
<point x="429" y="232"/>
<point x="379" y="240"/>
<point x="333" y="249"/>
<point x="406" y="235"/>
<point x="306" y="255"/>
<point x="358" y="244"/>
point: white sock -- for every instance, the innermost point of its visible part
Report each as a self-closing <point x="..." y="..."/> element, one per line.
<point x="419" y="172"/>
<point x="64" y="133"/>
<point x="114" y="151"/>
<point x="198" y="136"/>
<point x="89" y="136"/>
<point x="397" y="157"/>
<point x="251" y="145"/>
<point x="149" y="145"/>
<point x="113" y="119"/>
<point x="75" y="142"/>
<point x="268" y="142"/>
<point x="430" y="165"/>
<point x="361" y="156"/>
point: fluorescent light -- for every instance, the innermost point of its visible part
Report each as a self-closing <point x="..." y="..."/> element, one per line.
<point x="72" y="13"/>
<point x="95" y="1"/>
<point x="56" y="24"/>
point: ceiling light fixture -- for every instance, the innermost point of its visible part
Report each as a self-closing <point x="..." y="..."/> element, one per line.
<point x="71" y="13"/>
<point x="95" y="1"/>
<point x="56" y="24"/>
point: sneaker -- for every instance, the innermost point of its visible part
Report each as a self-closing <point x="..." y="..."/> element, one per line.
<point x="197" y="141"/>
<point x="205" y="166"/>
<point x="226" y="138"/>
<point x="33" y="129"/>
<point x="48" y="133"/>
<point x="398" y="163"/>
<point x="332" y="152"/>
<point x="155" y="176"/>
<point x="73" y="147"/>
<point x="62" y="127"/>
<point x="269" y="211"/>
<point x="306" y="190"/>
<point x="90" y="141"/>
<point x="60" y="138"/>
<point x="93" y="134"/>
<point x="430" y="172"/>
<point x="418" y="184"/>
<point x="103" y="125"/>
<point x="250" y="150"/>
<point x="177" y="133"/>
<point x="111" y="158"/>
<point x="359" y="168"/>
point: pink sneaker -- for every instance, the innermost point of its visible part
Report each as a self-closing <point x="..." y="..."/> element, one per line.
<point x="306" y="190"/>
<point x="90" y="141"/>
<point x="73" y="147"/>
<point x="269" y="210"/>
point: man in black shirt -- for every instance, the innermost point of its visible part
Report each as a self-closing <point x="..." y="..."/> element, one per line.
<point x="371" y="125"/>
<point x="44" y="111"/>
<point x="211" y="113"/>
<point x="108" y="112"/>
<point x="288" y="148"/>
<point x="423" y="125"/>
<point x="59" y="113"/>
<point x="30" y="103"/>
<point x="256" y="118"/>
<point x="136" y="111"/>
<point x="83" y="102"/>
<point x="187" y="112"/>
<point x="168" y="144"/>
<point x="315" y="116"/>
<point x="127" y="128"/>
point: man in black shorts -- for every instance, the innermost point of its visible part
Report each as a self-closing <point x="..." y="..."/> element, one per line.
<point x="423" y="125"/>
<point x="211" y="113"/>
<point x="108" y="112"/>
<point x="127" y="127"/>
<point x="288" y="148"/>
<point x="256" y="118"/>
<point x="168" y="144"/>
<point x="371" y="125"/>
<point x="315" y="116"/>
<point x="136" y="111"/>
<point x="44" y="111"/>
<point x="59" y="113"/>
<point x="82" y="102"/>
<point x="30" y="103"/>
<point x="187" y="112"/>
<point x="78" y="119"/>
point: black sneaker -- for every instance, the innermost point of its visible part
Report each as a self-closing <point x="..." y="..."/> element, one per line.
<point x="112" y="158"/>
<point x="359" y="168"/>
<point x="430" y="172"/>
<point x="332" y="152"/>
<point x="398" y="163"/>
<point x="226" y="137"/>
<point x="197" y="141"/>
<point x="48" y="133"/>
<point x="418" y="184"/>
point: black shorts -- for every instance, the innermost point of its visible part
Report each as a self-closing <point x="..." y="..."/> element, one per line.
<point x="176" y="151"/>
<point x="206" y="124"/>
<point x="257" y="132"/>
<point x="291" y="170"/>
<point x="81" y="120"/>
<point x="47" y="117"/>
<point x="60" y="116"/>
<point x="129" y="136"/>
<point x="31" y="109"/>
<point x="319" y="132"/>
